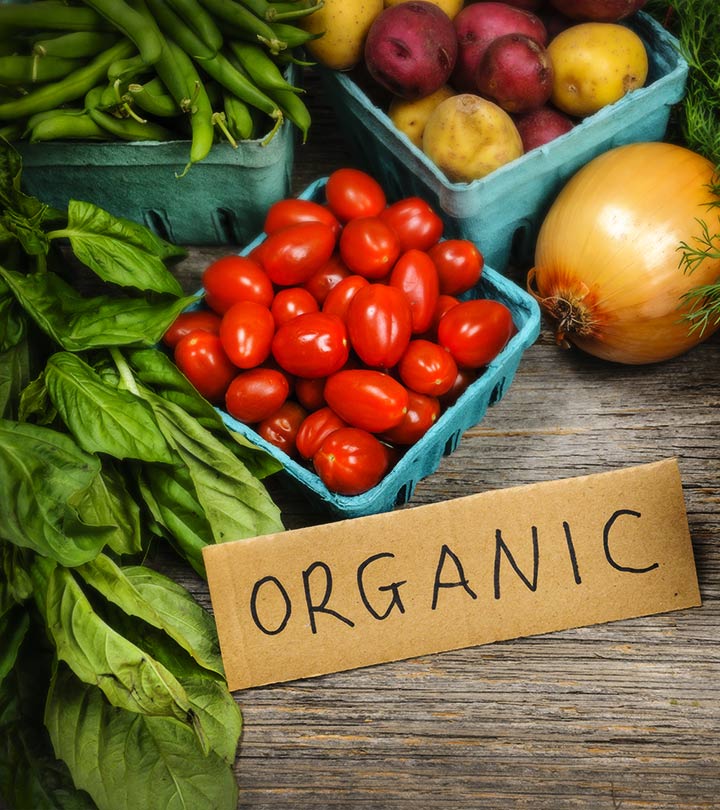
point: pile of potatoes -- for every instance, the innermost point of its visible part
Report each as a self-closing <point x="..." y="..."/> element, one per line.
<point x="475" y="85"/>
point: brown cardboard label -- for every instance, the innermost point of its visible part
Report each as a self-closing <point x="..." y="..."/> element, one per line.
<point x="469" y="571"/>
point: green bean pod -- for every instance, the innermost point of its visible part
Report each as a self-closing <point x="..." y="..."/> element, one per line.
<point x="238" y="117"/>
<point x="174" y="27"/>
<point x="67" y="127"/>
<point x="125" y="70"/>
<point x="55" y="15"/>
<point x="294" y="10"/>
<point x="25" y="69"/>
<point x="154" y="99"/>
<point x="71" y="88"/>
<point x="201" y="21"/>
<point x="125" y="129"/>
<point x="243" y="21"/>
<point x="36" y="119"/>
<point x="131" y="23"/>
<point x="13" y="131"/>
<point x="75" y="45"/>
<point x="291" y="35"/>
<point x="295" y="109"/>
<point x="260" y="66"/>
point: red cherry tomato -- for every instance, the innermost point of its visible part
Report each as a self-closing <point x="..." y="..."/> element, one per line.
<point x="310" y="392"/>
<point x="366" y="398"/>
<point x="246" y="332"/>
<point x="290" y="302"/>
<point x="315" y="428"/>
<point x="236" y="278"/>
<point x="422" y="413"/>
<point x="415" y="275"/>
<point x="322" y="281"/>
<point x="427" y="368"/>
<point x="280" y="428"/>
<point x="464" y="379"/>
<point x="415" y="222"/>
<point x="255" y="394"/>
<point x="339" y="298"/>
<point x="201" y="358"/>
<point x="369" y="247"/>
<point x="352" y="193"/>
<point x="475" y="331"/>
<point x="290" y="256"/>
<point x="186" y="322"/>
<point x="459" y="265"/>
<point x="379" y="323"/>
<point x="290" y="211"/>
<point x="444" y="303"/>
<point x="351" y="461"/>
<point x="311" y="345"/>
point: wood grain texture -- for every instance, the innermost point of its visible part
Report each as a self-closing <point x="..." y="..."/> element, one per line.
<point x="623" y="715"/>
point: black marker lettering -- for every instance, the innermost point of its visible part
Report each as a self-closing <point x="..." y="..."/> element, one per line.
<point x="321" y="608"/>
<point x="253" y="606"/>
<point x="500" y="546"/>
<point x="394" y="587"/>
<point x="571" y="552"/>
<point x="462" y="582"/>
<point x="606" y="544"/>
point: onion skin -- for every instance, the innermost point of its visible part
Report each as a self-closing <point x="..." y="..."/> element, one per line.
<point x="608" y="258"/>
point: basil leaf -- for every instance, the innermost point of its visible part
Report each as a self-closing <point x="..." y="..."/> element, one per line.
<point x="15" y="583"/>
<point x="79" y="323"/>
<point x="160" y="602"/>
<point x="35" y="405"/>
<point x="13" y="627"/>
<point x="128" y="677"/>
<point x="118" y="250"/>
<point x="43" y="477"/>
<point x="126" y="761"/>
<point x="101" y="418"/>
<point x="14" y="375"/>
<point x="12" y="319"/>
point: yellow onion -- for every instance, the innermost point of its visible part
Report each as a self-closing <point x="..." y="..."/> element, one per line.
<point x="609" y="266"/>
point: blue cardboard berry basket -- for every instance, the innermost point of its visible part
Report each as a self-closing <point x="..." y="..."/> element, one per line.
<point x="424" y="457"/>
<point x="503" y="211"/>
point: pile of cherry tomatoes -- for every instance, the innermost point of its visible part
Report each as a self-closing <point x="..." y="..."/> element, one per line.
<point x="342" y="336"/>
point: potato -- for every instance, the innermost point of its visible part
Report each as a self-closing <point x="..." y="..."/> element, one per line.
<point x="450" y="7"/>
<point x="468" y="136"/>
<point x="343" y="25"/>
<point x="595" y="64"/>
<point x="410" y="116"/>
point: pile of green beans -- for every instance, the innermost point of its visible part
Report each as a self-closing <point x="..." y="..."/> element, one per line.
<point x="139" y="70"/>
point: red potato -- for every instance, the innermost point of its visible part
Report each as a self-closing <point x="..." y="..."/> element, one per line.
<point x="477" y="25"/>
<point x="516" y="73"/>
<point x="598" y="10"/>
<point x="541" y="126"/>
<point x="411" y="49"/>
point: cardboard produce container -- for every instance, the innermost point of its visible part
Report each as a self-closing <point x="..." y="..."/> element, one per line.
<point x="424" y="457"/>
<point x="502" y="212"/>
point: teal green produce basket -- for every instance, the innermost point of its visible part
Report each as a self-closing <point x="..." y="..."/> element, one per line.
<point x="423" y="458"/>
<point x="502" y="212"/>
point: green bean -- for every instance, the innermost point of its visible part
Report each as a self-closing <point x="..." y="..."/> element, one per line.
<point x="67" y="127"/>
<point x="238" y="116"/>
<point x="203" y="23"/>
<point x="129" y="69"/>
<point x="55" y="15"/>
<point x="32" y="69"/>
<point x="291" y="35"/>
<point x="244" y="22"/>
<point x="173" y="26"/>
<point x="71" y="88"/>
<point x="153" y="98"/>
<point x="36" y="119"/>
<point x="260" y="8"/>
<point x="126" y="19"/>
<point x="12" y="131"/>
<point x="260" y="66"/>
<point x="126" y="129"/>
<point x="295" y="109"/>
<point x="229" y="77"/>
<point x="294" y="10"/>
<point x="75" y="45"/>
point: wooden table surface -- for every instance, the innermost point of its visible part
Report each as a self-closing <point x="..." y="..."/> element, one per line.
<point x="620" y="715"/>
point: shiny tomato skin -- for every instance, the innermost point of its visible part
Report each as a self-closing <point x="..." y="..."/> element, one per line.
<point x="464" y="379"/>
<point x="246" y="332"/>
<point x="290" y="302"/>
<point x="444" y="303"/>
<point x="415" y="275"/>
<point x="415" y="222"/>
<point x="379" y="323"/>
<point x="310" y="392"/>
<point x="202" y="359"/>
<point x="422" y="413"/>
<point x="339" y="298"/>
<point x="311" y="345"/>
<point x="366" y="398"/>
<point x="351" y="461"/>
<point x="315" y="428"/>
<point x="280" y="428"/>
<point x="352" y="193"/>
<point x="255" y="394"/>
<point x="369" y="247"/>
<point x="474" y="332"/>
<point x="459" y="264"/>
<point x="203" y="319"/>
<point x="290" y="211"/>
<point x="427" y="368"/>
<point x="322" y="281"/>
<point x="291" y="255"/>
<point x="236" y="278"/>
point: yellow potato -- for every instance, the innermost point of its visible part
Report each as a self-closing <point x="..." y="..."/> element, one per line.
<point x="410" y="116"/>
<point x="468" y="136"/>
<point x="450" y="7"/>
<point x="595" y="64"/>
<point x="344" y="25"/>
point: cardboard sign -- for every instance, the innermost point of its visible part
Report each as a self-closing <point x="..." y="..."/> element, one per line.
<point x="460" y="573"/>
